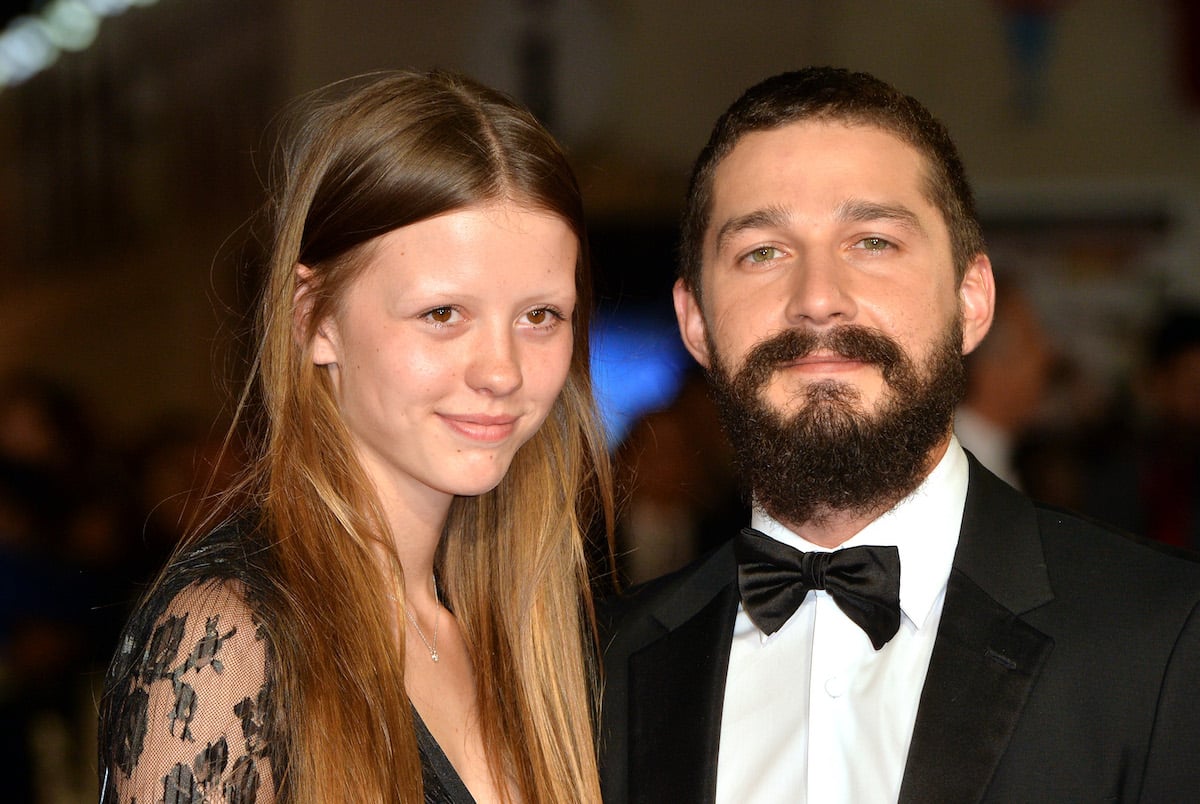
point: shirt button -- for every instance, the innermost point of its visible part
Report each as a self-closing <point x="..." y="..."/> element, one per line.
<point x="835" y="686"/>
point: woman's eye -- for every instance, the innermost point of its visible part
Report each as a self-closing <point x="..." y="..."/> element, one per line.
<point x="442" y="315"/>
<point x="544" y="317"/>
<point x="764" y="254"/>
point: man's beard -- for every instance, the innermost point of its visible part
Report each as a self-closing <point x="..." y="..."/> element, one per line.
<point x="829" y="457"/>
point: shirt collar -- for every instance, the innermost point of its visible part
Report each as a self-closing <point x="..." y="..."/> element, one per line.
<point x="924" y="527"/>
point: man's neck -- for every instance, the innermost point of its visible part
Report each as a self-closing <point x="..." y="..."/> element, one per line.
<point x="831" y="528"/>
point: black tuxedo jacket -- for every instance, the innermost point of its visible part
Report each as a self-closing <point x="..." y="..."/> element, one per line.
<point x="1066" y="668"/>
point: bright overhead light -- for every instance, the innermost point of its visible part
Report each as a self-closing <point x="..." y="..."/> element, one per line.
<point x="25" y="50"/>
<point x="70" y="24"/>
<point x="33" y="42"/>
<point x="107" y="8"/>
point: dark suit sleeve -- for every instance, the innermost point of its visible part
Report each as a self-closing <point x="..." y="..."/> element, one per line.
<point x="1173" y="764"/>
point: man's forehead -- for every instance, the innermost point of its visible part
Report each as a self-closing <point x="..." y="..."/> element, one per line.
<point x="781" y="143"/>
<point x="763" y="158"/>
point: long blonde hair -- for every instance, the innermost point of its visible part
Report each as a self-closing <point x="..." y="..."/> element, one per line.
<point x="364" y="161"/>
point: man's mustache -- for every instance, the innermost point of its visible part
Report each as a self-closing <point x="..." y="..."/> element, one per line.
<point x="850" y="341"/>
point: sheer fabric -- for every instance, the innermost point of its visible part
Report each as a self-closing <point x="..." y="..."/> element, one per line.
<point x="188" y="714"/>
<point x="193" y="724"/>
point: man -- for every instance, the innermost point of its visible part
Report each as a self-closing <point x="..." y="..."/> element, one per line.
<point x="832" y="276"/>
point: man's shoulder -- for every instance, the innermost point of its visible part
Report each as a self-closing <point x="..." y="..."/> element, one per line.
<point x="1107" y="542"/>
<point x="1080" y="550"/>
<point x="1011" y="536"/>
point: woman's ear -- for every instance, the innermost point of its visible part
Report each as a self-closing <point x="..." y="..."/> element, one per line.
<point x="323" y="343"/>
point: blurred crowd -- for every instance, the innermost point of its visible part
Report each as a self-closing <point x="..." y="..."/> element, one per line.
<point x="85" y="522"/>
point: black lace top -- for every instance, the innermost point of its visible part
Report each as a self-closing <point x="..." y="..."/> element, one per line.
<point x="187" y="714"/>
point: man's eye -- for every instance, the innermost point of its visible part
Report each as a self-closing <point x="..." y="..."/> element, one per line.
<point x="874" y="244"/>
<point x="764" y="254"/>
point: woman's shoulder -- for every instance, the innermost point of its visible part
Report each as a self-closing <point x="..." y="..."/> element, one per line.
<point x="230" y="559"/>
<point x="234" y="550"/>
<point x="208" y="634"/>
<point x="220" y="578"/>
<point x="194" y="709"/>
<point x="190" y="686"/>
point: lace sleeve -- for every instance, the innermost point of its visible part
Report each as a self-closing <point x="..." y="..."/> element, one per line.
<point x="191" y="724"/>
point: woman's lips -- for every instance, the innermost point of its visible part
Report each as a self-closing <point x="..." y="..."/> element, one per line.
<point x="481" y="427"/>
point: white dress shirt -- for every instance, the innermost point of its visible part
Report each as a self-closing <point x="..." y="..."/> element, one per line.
<point x="813" y="713"/>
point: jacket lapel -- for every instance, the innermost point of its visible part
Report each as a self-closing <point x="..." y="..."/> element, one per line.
<point x="985" y="660"/>
<point x="680" y="679"/>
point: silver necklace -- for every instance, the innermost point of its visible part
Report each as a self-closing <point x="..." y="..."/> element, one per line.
<point x="437" y="621"/>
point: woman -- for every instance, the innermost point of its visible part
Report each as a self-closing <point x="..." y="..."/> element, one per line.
<point x="399" y="605"/>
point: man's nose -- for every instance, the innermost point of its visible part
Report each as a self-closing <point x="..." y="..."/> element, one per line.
<point x="818" y="290"/>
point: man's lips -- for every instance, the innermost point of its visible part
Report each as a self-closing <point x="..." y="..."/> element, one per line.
<point x="481" y="427"/>
<point x="824" y="362"/>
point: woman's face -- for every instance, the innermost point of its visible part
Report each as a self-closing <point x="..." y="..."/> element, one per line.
<point x="449" y="349"/>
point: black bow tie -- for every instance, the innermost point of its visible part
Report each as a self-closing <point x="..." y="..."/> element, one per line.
<point x="774" y="578"/>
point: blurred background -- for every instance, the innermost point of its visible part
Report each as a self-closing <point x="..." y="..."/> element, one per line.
<point x="135" y="136"/>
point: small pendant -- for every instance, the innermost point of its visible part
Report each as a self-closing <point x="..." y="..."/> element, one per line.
<point x="434" y="656"/>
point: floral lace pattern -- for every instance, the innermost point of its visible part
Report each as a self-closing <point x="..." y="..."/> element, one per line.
<point x="193" y="723"/>
<point x="188" y="716"/>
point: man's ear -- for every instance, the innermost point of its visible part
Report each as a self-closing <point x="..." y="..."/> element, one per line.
<point x="977" y="295"/>
<point x="692" y="327"/>
<point x="323" y="345"/>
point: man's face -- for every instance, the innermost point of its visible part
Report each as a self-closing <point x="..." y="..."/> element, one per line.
<point x="822" y="243"/>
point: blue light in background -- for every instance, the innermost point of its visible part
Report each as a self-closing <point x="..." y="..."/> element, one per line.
<point x="638" y="365"/>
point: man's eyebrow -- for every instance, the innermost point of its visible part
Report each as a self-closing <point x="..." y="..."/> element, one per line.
<point x="767" y="217"/>
<point x="858" y="211"/>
